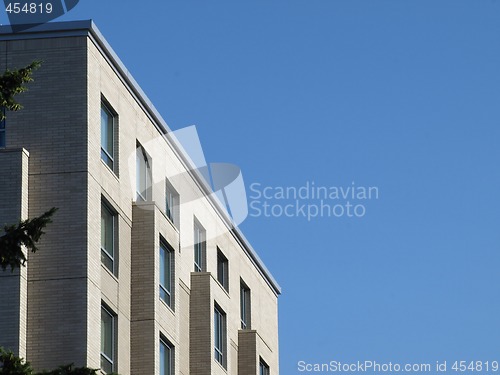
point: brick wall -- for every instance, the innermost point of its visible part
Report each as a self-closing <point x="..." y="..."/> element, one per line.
<point x="52" y="127"/>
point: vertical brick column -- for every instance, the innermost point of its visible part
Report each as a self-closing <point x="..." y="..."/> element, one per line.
<point x="247" y="352"/>
<point x="200" y="324"/>
<point x="144" y="341"/>
<point x="13" y="285"/>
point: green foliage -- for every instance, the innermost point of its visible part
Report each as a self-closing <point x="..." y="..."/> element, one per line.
<point x="26" y="233"/>
<point x="13" y="365"/>
<point x="12" y="83"/>
<point x="70" y="370"/>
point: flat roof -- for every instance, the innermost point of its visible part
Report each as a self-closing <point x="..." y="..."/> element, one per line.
<point x="88" y="28"/>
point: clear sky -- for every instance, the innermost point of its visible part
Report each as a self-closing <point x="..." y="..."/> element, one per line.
<point x="399" y="95"/>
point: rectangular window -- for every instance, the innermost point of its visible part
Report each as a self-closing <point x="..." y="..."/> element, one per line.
<point x="220" y="335"/>
<point x="166" y="358"/>
<point x="199" y="248"/>
<point x="244" y="305"/>
<point x="263" y="367"/>
<point x="107" y="135"/>
<point x="108" y="327"/>
<point x="166" y="274"/>
<point x="143" y="175"/>
<point x="108" y="236"/>
<point x="222" y="270"/>
<point x="172" y="204"/>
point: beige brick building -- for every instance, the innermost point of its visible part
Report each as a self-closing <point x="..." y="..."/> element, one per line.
<point x="142" y="271"/>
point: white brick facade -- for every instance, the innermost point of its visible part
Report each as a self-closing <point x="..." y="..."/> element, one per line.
<point x="53" y="158"/>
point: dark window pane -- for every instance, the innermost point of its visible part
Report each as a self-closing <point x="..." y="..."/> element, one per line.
<point x="222" y="270"/>
<point x="107" y="136"/>
<point x="165" y="274"/>
<point x="107" y="340"/>
<point x="245" y="306"/>
<point x="106" y="260"/>
<point x="219" y="336"/>
<point x="107" y="237"/>
<point x="199" y="244"/>
<point x="143" y="175"/>
<point x="165" y="359"/>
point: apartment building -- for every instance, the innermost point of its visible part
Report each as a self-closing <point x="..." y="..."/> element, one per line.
<point x="142" y="271"/>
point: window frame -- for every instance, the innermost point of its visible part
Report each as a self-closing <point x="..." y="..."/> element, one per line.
<point x="200" y="246"/>
<point x="169" y="292"/>
<point x="143" y="159"/>
<point x="105" y="153"/>
<point x="245" y="306"/>
<point x="222" y="270"/>
<point x="220" y="335"/>
<point x="171" y="352"/>
<point x="263" y="367"/>
<point x="104" y="356"/>
<point x="105" y="252"/>
<point x="172" y="201"/>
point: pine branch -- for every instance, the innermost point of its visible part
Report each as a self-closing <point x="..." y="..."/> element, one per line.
<point x="26" y="233"/>
<point x="12" y="83"/>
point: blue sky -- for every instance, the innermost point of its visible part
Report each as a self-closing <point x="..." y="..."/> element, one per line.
<point x="401" y="95"/>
